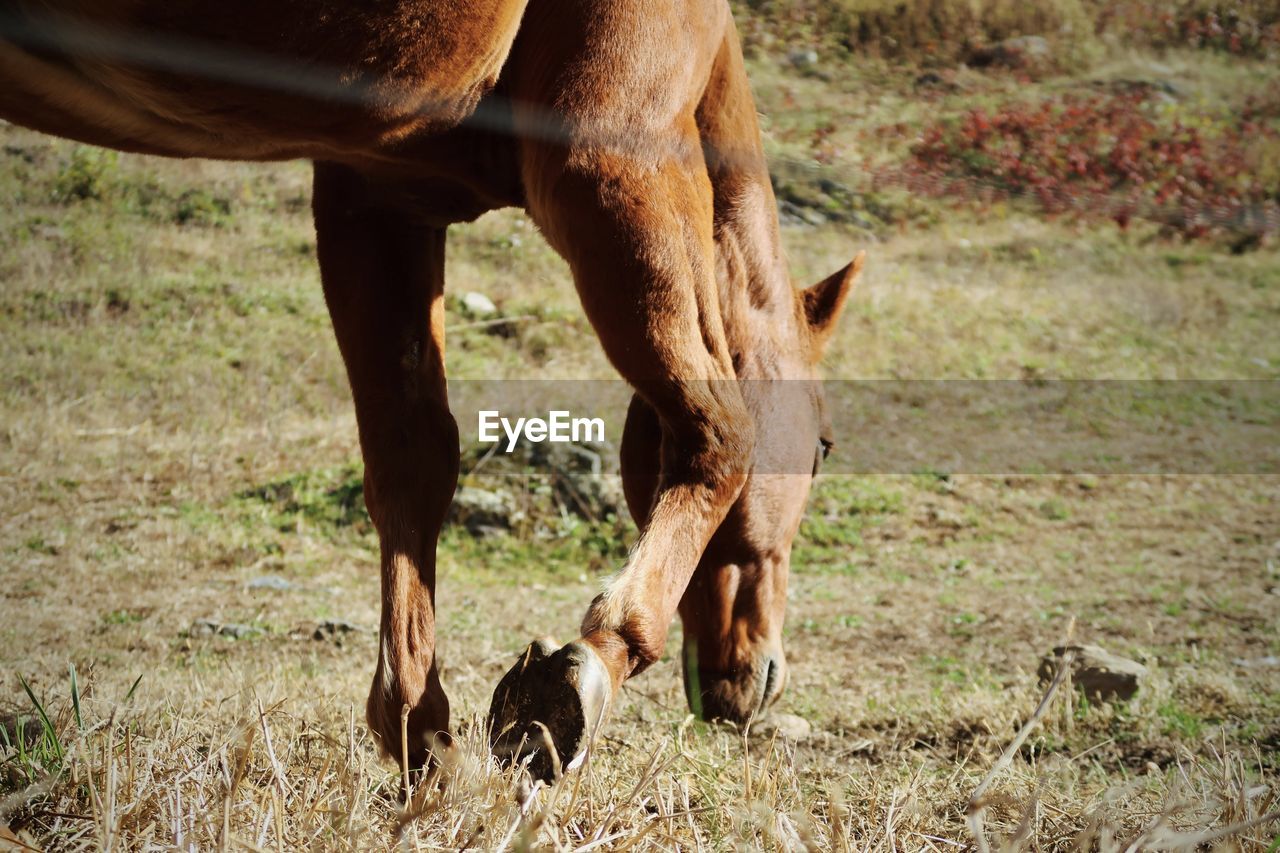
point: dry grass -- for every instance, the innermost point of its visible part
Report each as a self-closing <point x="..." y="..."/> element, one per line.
<point x="253" y="769"/>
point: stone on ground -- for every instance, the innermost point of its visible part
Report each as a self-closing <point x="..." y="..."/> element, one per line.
<point x="1104" y="677"/>
<point x="790" y="727"/>
<point x="478" y="305"/>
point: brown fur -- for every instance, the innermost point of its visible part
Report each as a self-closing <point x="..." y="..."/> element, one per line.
<point x="627" y="130"/>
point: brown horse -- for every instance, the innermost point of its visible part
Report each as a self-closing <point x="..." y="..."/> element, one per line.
<point x="627" y="130"/>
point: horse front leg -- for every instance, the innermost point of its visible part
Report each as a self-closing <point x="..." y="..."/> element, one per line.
<point x="639" y="242"/>
<point x="383" y="274"/>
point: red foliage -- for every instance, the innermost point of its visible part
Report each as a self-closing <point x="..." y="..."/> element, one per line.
<point x="1105" y="155"/>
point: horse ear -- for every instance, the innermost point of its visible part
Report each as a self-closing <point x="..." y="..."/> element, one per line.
<point x="825" y="300"/>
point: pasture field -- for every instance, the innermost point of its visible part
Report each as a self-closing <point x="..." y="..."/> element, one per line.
<point x="188" y="581"/>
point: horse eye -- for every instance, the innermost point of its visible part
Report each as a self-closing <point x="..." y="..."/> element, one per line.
<point x="826" y="444"/>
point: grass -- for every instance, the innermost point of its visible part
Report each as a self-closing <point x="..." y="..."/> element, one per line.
<point x="175" y="425"/>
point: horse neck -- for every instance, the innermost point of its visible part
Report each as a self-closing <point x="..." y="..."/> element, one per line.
<point x="757" y="302"/>
<point x="761" y="313"/>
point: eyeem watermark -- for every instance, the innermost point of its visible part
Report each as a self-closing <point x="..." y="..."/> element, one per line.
<point x="558" y="426"/>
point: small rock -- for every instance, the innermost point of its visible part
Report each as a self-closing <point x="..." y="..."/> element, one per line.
<point x="203" y="628"/>
<point x="1258" y="663"/>
<point x="932" y="80"/>
<point x="1028" y="45"/>
<point x="1020" y="52"/>
<point x="1161" y="91"/>
<point x="1170" y="90"/>
<point x="234" y="630"/>
<point x="270" y="582"/>
<point x="942" y="517"/>
<point x="331" y="629"/>
<point x="478" y="305"/>
<point x="1102" y="675"/>
<point x="482" y="512"/>
<point x="783" y="726"/>
<point x="578" y="481"/>
<point x="803" y="57"/>
<point x="861" y="746"/>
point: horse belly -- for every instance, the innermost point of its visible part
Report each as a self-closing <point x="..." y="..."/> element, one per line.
<point x="247" y="79"/>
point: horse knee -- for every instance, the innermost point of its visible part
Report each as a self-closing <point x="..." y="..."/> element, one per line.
<point x="627" y="629"/>
<point x="713" y="443"/>
<point x="737" y="443"/>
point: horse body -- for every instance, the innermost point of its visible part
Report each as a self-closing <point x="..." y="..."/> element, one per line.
<point x="246" y="80"/>
<point x="627" y="130"/>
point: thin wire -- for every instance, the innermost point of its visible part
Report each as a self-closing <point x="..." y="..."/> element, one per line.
<point x="495" y="114"/>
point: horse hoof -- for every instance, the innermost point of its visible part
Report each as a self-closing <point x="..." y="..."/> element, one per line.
<point x="548" y="707"/>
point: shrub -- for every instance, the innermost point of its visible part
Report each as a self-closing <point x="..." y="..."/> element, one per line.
<point x="951" y="30"/>
<point x="201" y="207"/>
<point x="89" y="174"/>
<point x="1113" y="156"/>
<point x="1242" y="27"/>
